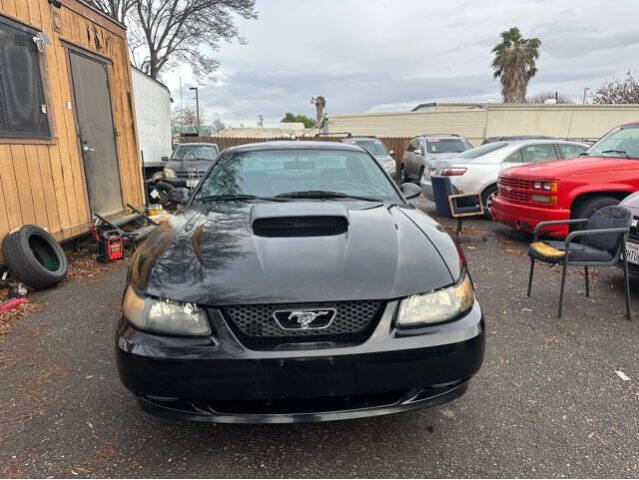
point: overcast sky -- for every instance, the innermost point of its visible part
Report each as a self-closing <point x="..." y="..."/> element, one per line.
<point x="370" y="55"/>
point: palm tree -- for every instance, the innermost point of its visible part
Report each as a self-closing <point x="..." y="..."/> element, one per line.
<point x="320" y="104"/>
<point x="514" y="64"/>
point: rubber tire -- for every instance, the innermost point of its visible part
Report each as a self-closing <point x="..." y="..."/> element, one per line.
<point x="23" y="264"/>
<point x="589" y="206"/>
<point x="484" y="199"/>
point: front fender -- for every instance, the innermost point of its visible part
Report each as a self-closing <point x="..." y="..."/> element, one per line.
<point x="603" y="189"/>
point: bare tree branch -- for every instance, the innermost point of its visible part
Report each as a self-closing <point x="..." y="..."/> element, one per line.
<point x="165" y="33"/>
<point x="618" y="91"/>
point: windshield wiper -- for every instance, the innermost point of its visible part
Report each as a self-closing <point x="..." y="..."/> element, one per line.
<point x="325" y="194"/>
<point x="622" y="152"/>
<point x="238" y="197"/>
<point x="583" y="154"/>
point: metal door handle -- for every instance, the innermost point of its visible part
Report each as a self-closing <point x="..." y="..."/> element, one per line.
<point x="86" y="148"/>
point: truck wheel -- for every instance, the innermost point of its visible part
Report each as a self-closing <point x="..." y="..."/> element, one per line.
<point x="589" y="206"/>
<point x="34" y="257"/>
<point x="487" y="197"/>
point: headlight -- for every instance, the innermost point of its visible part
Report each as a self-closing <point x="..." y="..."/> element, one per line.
<point x="168" y="173"/>
<point x="437" y="306"/>
<point x="164" y="316"/>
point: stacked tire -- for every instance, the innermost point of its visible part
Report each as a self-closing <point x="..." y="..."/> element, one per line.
<point x="34" y="257"/>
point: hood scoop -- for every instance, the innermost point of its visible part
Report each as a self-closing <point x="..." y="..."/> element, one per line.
<point x="299" y="219"/>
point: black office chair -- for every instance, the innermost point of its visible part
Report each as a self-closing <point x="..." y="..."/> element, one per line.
<point x="603" y="241"/>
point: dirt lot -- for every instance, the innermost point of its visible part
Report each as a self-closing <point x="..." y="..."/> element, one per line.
<point x="547" y="401"/>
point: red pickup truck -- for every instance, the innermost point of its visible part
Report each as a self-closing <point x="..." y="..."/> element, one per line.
<point x="604" y="174"/>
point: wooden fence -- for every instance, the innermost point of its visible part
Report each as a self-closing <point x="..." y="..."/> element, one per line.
<point x="397" y="144"/>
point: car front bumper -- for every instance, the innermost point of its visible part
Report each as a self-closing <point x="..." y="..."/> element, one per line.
<point x="427" y="188"/>
<point x="525" y="217"/>
<point x="220" y="380"/>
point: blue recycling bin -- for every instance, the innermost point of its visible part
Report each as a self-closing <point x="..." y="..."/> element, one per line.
<point x="442" y="189"/>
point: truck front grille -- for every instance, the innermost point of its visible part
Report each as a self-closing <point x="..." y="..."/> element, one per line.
<point x="514" y="189"/>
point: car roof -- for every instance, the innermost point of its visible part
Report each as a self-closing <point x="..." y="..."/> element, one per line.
<point x="198" y="144"/>
<point x="445" y="136"/>
<point x="295" y="145"/>
<point x="542" y="141"/>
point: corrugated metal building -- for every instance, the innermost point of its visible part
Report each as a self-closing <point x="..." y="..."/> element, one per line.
<point x="479" y="121"/>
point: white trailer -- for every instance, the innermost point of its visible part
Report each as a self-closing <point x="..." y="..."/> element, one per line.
<point x="153" y="114"/>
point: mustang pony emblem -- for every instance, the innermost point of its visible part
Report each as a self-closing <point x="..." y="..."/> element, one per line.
<point x="304" y="319"/>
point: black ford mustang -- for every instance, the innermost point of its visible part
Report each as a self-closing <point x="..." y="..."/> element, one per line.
<point x="297" y="284"/>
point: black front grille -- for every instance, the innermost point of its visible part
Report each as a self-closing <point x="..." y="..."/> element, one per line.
<point x="257" y="327"/>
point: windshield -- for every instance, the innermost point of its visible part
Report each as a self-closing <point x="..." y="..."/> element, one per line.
<point x="377" y="148"/>
<point x="621" y="142"/>
<point x="483" y="150"/>
<point x="277" y="172"/>
<point x="199" y="152"/>
<point x="451" y="145"/>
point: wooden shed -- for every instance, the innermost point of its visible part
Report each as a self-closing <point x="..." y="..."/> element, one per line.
<point x="68" y="146"/>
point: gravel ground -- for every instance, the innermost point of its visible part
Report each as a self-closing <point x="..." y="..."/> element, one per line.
<point x="547" y="402"/>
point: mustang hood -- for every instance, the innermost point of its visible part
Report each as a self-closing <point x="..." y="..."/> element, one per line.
<point x="294" y="252"/>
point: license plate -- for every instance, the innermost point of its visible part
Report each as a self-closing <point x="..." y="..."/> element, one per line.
<point x="633" y="252"/>
<point x="191" y="183"/>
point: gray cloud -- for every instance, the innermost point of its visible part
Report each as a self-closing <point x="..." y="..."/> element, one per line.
<point x="384" y="54"/>
<point x="249" y="93"/>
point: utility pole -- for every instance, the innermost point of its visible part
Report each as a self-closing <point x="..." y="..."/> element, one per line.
<point x="197" y="105"/>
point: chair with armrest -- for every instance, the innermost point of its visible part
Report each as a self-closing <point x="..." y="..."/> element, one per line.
<point x="602" y="242"/>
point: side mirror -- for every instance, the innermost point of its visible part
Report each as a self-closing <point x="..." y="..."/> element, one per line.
<point x="165" y="158"/>
<point x="179" y="196"/>
<point x="410" y="190"/>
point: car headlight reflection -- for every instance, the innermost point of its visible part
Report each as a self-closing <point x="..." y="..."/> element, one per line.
<point x="164" y="316"/>
<point x="438" y="306"/>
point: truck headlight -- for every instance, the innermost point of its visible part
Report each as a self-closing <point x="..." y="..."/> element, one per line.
<point x="164" y="316"/>
<point x="437" y="306"/>
<point x="168" y="173"/>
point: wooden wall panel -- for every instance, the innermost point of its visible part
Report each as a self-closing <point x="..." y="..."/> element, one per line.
<point x="35" y="183"/>
<point x="55" y="61"/>
<point x="48" y="189"/>
<point x="34" y="13"/>
<point x="22" y="11"/>
<point x="9" y="187"/>
<point x="22" y="181"/>
<point x="9" y="7"/>
<point x="4" y="219"/>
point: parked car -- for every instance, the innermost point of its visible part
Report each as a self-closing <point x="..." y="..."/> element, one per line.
<point x="511" y="138"/>
<point x="377" y="148"/>
<point x="631" y="202"/>
<point x="606" y="173"/>
<point x="188" y="163"/>
<point x="477" y="170"/>
<point x="281" y="293"/>
<point x="426" y="148"/>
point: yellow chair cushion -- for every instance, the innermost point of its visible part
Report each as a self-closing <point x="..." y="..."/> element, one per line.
<point x="546" y="250"/>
